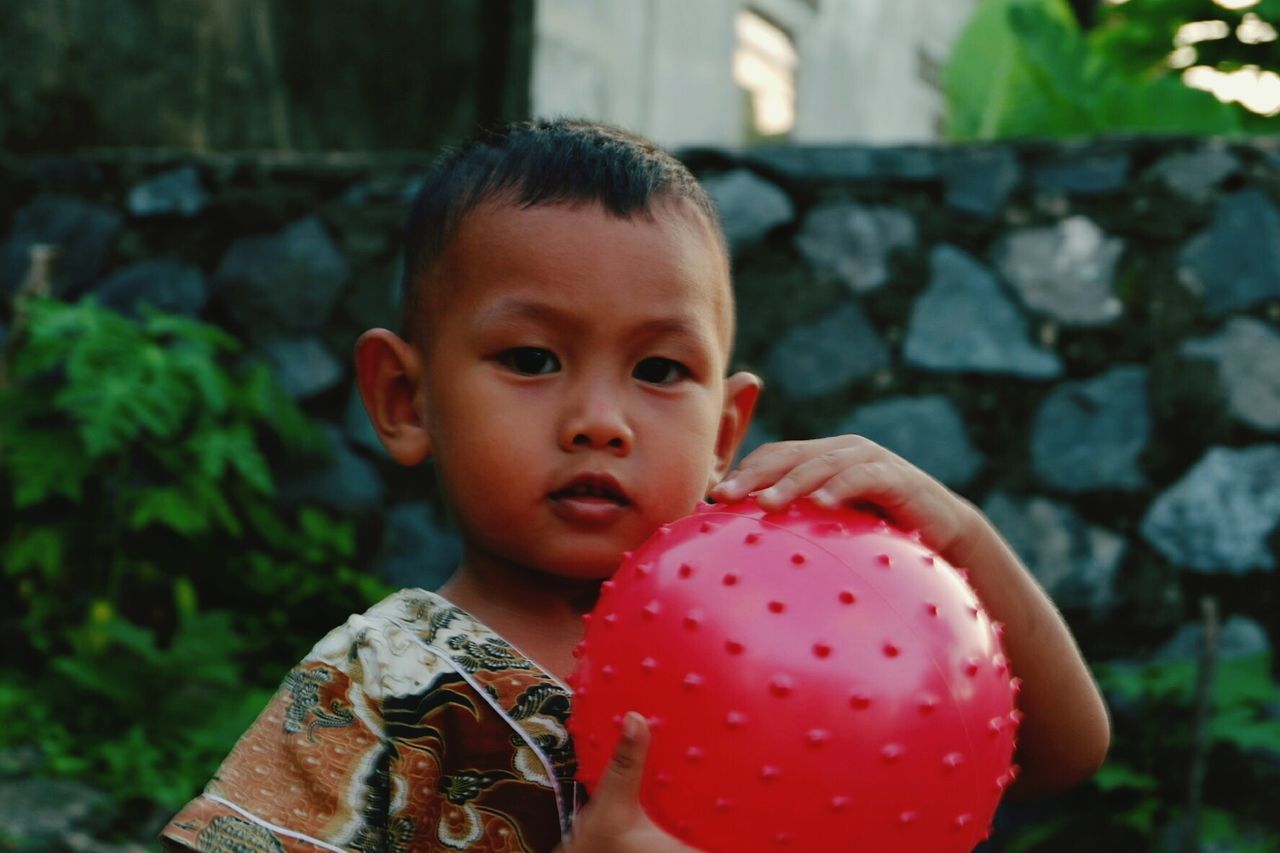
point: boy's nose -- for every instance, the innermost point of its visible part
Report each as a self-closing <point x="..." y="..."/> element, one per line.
<point x="598" y="424"/>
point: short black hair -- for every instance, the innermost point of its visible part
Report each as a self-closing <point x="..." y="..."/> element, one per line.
<point x="531" y="163"/>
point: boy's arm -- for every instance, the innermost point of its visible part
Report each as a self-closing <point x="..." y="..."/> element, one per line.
<point x="1065" y="732"/>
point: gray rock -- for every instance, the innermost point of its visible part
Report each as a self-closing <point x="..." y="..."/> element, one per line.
<point x="1065" y="270"/>
<point x="177" y="192"/>
<point x="1235" y="263"/>
<point x="749" y="206"/>
<point x="304" y="367"/>
<point x="1075" y="561"/>
<point x="1197" y="173"/>
<point x="1247" y="353"/>
<point x="165" y="284"/>
<point x="1238" y="637"/>
<point x="907" y="164"/>
<point x="1095" y="174"/>
<point x="359" y="428"/>
<point x="1217" y="518"/>
<point x="287" y="281"/>
<point x="927" y="431"/>
<point x="963" y="322"/>
<point x="84" y="234"/>
<point x="980" y="179"/>
<point x="828" y="355"/>
<point x="416" y="551"/>
<point x="347" y="483"/>
<point x="854" y="242"/>
<point x="1089" y="435"/>
<point x="40" y="814"/>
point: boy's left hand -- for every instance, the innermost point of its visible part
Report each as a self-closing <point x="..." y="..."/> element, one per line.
<point x="614" y="821"/>
<point x="847" y="470"/>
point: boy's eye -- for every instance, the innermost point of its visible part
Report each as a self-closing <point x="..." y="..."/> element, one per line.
<point x="660" y="371"/>
<point x="530" y="361"/>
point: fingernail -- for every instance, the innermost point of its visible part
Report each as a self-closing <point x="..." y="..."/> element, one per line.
<point x="630" y="725"/>
<point x="823" y="498"/>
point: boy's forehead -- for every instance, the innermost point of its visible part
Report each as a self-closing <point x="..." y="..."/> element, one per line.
<point x="500" y="242"/>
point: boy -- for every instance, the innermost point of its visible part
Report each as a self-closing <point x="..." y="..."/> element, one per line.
<point x="567" y="329"/>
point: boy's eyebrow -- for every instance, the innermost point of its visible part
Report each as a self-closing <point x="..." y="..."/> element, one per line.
<point x="512" y="308"/>
<point x="519" y="308"/>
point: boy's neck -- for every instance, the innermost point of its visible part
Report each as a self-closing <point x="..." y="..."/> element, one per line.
<point x="540" y="614"/>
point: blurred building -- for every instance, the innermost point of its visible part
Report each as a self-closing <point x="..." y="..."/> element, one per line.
<point x="729" y="72"/>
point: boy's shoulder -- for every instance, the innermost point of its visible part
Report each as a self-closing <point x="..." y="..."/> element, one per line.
<point x="401" y="644"/>
<point x="426" y="621"/>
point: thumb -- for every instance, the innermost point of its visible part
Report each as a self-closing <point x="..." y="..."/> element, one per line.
<point x="620" y="782"/>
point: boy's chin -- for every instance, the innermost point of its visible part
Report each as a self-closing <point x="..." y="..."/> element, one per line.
<point x="587" y="571"/>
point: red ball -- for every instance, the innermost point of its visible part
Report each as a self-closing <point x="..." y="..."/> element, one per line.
<point x="813" y="680"/>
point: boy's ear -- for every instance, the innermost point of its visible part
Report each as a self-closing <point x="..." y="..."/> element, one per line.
<point x="389" y="373"/>
<point x="741" y="391"/>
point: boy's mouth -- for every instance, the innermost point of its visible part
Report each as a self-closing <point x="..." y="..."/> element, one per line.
<point x="591" y="488"/>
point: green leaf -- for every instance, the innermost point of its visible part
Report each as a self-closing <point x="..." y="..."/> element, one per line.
<point x="210" y="339"/>
<point x="991" y="86"/>
<point x="89" y="677"/>
<point x="197" y="367"/>
<point x="217" y="447"/>
<point x="175" y="507"/>
<point x="1036" y="836"/>
<point x="207" y="643"/>
<point x="1056" y="56"/>
<point x="1247" y="732"/>
<point x="261" y="396"/>
<point x="1245" y="681"/>
<point x="1115" y="775"/>
<point x="44" y="464"/>
<point x="327" y="536"/>
<point x="1162" y="105"/>
<point x="1023" y="68"/>
<point x="1141" y="816"/>
<point x="1220" y="828"/>
<point x="38" y="548"/>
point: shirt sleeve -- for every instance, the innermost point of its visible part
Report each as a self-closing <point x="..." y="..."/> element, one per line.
<point x="381" y="740"/>
<point x="310" y="773"/>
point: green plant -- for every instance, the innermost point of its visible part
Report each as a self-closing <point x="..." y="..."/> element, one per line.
<point x="162" y="590"/>
<point x="1140" y="793"/>
<point x="1025" y="68"/>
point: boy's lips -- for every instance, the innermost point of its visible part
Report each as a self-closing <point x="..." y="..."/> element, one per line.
<point x="589" y="499"/>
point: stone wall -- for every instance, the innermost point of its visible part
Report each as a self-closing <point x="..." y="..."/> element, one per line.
<point x="1084" y="339"/>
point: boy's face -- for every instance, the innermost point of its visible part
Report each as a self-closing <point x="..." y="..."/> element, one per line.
<point x="573" y="389"/>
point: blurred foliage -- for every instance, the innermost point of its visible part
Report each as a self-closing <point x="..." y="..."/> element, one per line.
<point x="161" y="589"/>
<point x="1138" y="35"/>
<point x="1138" y="799"/>
<point x="1026" y="68"/>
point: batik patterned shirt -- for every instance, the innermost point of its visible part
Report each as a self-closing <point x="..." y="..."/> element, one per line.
<point x="412" y="727"/>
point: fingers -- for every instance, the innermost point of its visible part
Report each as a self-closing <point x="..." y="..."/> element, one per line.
<point x="771" y="463"/>
<point x="788" y="470"/>
<point x="620" y="783"/>
<point x="848" y="470"/>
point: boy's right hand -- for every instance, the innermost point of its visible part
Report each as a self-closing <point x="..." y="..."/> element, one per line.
<point x="614" y="821"/>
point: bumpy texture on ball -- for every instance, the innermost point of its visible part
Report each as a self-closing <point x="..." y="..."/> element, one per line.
<point x="814" y="680"/>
